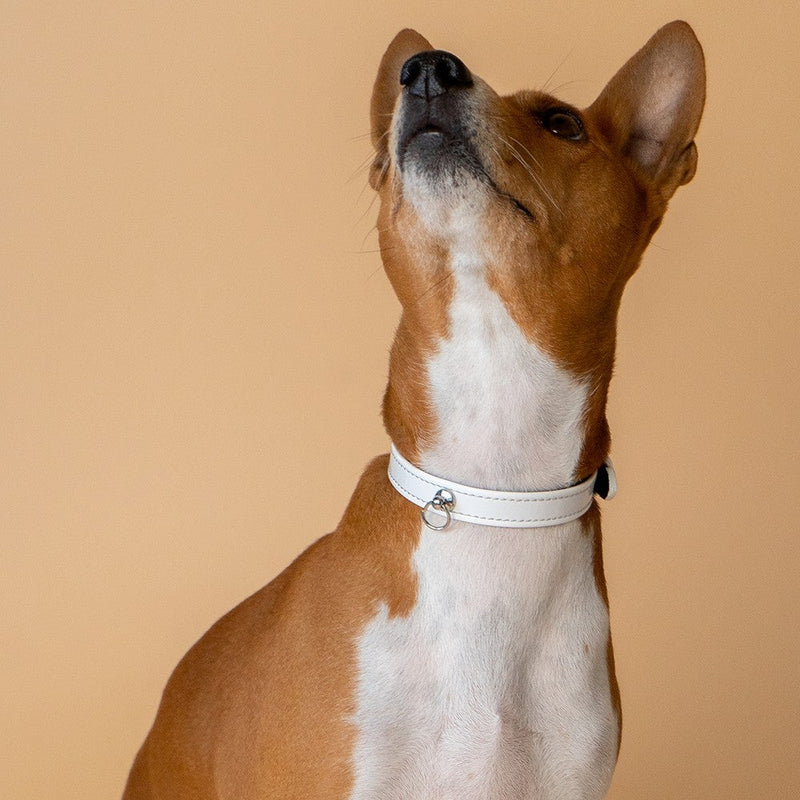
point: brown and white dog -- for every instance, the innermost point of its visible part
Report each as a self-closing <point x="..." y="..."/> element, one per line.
<point x="392" y="659"/>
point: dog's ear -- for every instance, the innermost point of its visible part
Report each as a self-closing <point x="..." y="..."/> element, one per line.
<point x="651" y="108"/>
<point x="407" y="43"/>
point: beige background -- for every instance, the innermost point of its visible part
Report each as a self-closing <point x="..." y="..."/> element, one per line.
<point x="193" y="345"/>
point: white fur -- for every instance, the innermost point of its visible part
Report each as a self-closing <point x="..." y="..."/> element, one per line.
<point x="509" y="417"/>
<point x="495" y="687"/>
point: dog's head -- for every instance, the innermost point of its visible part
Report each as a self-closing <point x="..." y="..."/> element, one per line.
<point x="556" y="204"/>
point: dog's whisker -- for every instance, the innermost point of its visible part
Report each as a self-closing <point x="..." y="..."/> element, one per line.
<point x="531" y="172"/>
<point x="365" y="164"/>
<point x="552" y="74"/>
<point x="539" y="182"/>
<point x="361" y="136"/>
<point x="564" y="84"/>
<point x="369" y="207"/>
<point x="370" y="158"/>
<point x="531" y="155"/>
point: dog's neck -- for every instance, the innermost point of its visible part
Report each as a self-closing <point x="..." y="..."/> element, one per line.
<point x="474" y="399"/>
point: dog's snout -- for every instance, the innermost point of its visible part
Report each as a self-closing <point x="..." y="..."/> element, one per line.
<point x="430" y="74"/>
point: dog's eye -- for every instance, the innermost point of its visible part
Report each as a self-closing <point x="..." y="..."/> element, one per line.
<point x="564" y="124"/>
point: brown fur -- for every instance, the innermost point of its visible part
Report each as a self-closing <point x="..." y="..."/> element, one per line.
<point x="262" y="700"/>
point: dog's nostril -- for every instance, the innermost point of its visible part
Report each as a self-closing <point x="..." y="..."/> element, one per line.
<point x="451" y="71"/>
<point x="410" y="71"/>
<point x="433" y="73"/>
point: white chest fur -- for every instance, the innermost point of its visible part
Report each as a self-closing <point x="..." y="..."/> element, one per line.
<point x="496" y="686"/>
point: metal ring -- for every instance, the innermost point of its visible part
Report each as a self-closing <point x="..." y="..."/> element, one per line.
<point x="442" y="503"/>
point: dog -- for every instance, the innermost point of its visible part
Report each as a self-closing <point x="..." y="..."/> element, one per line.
<point x="450" y="639"/>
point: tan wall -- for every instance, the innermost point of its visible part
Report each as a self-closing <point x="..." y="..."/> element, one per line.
<point x="193" y="345"/>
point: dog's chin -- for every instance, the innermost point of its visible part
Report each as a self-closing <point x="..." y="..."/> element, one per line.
<point x="438" y="168"/>
<point x="445" y="159"/>
<point x="440" y="174"/>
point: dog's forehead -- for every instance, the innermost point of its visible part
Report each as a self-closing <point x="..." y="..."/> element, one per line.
<point x="535" y="99"/>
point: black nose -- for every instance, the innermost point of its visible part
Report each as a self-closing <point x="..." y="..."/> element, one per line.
<point x="433" y="73"/>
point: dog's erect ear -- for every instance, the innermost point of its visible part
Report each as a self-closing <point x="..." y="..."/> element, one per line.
<point x="407" y="43"/>
<point x="651" y="108"/>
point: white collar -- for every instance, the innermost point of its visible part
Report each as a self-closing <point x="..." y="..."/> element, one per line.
<point x="442" y="500"/>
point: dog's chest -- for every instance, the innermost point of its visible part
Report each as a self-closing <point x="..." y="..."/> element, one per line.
<point x="495" y="681"/>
